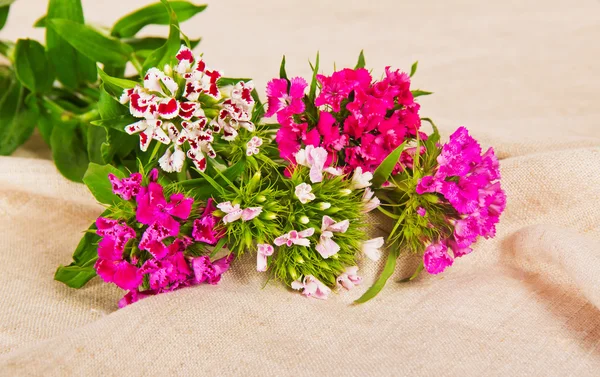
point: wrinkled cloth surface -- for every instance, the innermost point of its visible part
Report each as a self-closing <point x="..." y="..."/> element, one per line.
<point x="522" y="76"/>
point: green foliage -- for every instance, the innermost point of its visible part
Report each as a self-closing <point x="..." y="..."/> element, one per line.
<point x="68" y="142"/>
<point x="282" y="72"/>
<point x="413" y="69"/>
<point x="32" y="66"/>
<point x="154" y="14"/>
<point x="17" y="121"/>
<point x="166" y="53"/>
<point x="115" y="85"/>
<point x="384" y="170"/>
<point x="3" y="15"/>
<point x="96" y="180"/>
<point x="418" y="93"/>
<point x="72" y="67"/>
<point x="81" y="270"/>
<point x="92" y="43"/>
<point x="313" y="82"/>
<point x="388" y="270"/>
<point x="361" y="60"/>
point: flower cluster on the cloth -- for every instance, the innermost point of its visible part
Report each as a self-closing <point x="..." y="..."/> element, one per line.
<point x="150" y="244"/>
<point x="184" y="107"/>
<point x="358" y="121"/>
<point x="306" y="229"/>
<point x="468" y="200"/>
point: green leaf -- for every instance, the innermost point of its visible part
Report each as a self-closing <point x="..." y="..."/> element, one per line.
<point x="114" y="85"/>
<point x="419" y="92"/>
<point x="313" y="83"/>
<point x="108" y="107"/>
<point x="225" y="81"/>
<point x="117" y="143"/>
<point x="31" y="66"/>
<point x="166" y="53"/>
<point x="72" y="68"/>
<point x="153" y="43"/>
<point x="384" y="170"/>
<point x="74" y="276"/>
<point x="96" y="137"/>
<point x="96" y="180"/>
<point x="282" y="72"/>
<point x="92" y="43"/>
<point x="203" y="189"/>
<point x="388" y="270"/>
<point x="41" y="22"/>
<point x="117" y="123"/>
<point x="44" y="121"/>
<point x="17" y="121"/>
<point x="413" y="68"/>
<point x="154" y="14"/>
<point x="3" y="15"/>
<point x="361" y="60"/>
<point x="69" y="149"/>
<point x="7" y="50"/>
<point x="81" y="270"/>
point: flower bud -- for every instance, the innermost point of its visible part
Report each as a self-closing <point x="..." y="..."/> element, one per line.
<point x="261" y="199"/>
<point x="298" y="259"/>
<point x="324" y="206"/>
<point x="254" y="181"/>
<point x="268" y="216"/>
<point x="168" y="70"/>
<point x="304" y="220"/>
<point x="345" y="192"/>
<point x="293" y="273"/>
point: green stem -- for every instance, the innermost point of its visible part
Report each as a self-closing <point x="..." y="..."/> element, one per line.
<point x="388" y="270"/>
<point x="415" y="274"/>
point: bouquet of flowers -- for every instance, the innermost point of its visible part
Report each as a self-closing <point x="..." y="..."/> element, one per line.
<point x="194" y="174"/>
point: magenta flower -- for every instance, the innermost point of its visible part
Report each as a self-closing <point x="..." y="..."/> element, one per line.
<point x="169" y="273"/>
<point x="126" y="188"/>
<point x="205" y="271"/>
<point x="153" y="208"/>
<point x="339" y="85"/>
<point x="115" y="235"/>
<point x="436" y="258"/>
<point x="123" y="274"/>
<point x="282" y="102"/>
<point x="204" y="227"/>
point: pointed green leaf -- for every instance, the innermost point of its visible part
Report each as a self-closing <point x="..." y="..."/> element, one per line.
<point x="96" y="180"/>
<point x="72" y="68"/>
<point x="69" y="149"/>
<point x="361" y="60"/>
<point x="117" y="123"/>
<point x="152" y="43"/>
<point x="17" y="121"/>
<point x="154" y="14"/>
<point x="166" y="53"/>
<point x="31" y="66"/>
<point x="313" y="83"/>
<point x="384" y="170"/>
<point x="75" y="276"/>
<point x="419" y="92"/>
<point x="413" y="68"/>
<point x="7" y="49"/>
<point x="114" y="85"/>
<point x="388" y="270"/>
<point x="96" y="136"/>
<point x="118" y="144"/>
<point x="225" y="81"/>
<point x="41" y="22"/>
<point x="282" y="72"/>
<point x="4" y="15"/>
<point x="92" y="43"/>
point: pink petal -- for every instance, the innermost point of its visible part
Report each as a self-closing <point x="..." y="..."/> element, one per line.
<point x="250" y="213"/>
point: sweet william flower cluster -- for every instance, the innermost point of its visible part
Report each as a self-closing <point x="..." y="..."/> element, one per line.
<point x="295" y="194"/>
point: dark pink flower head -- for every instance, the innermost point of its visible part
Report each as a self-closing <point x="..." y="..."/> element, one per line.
<point x="133" y="296"/>
<point x="126" y="188"/>
<point x="204" y="227"/>
<point x="115" y="235"/>
<point x="340" y="84"/>
<point x="460" y="154"/>
<point x="436" y="258"/>
<point x="205" y="271"/>
<point x="394" y="88"/>
<point x="123" y="274"/>
<point x="329" y="129"/>
<point x="167" y="274"/>
<point x="153" y="208"/>
<point x="292" y="136"/>
<point x="282" y="102"/>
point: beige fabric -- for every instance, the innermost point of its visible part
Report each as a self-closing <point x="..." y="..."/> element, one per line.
<point x="521" y="75"/>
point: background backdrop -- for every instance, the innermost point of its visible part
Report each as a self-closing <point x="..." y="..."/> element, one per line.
<point x="521" y="75"/>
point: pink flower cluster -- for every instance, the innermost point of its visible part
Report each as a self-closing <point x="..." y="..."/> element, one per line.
<point x="469" y="181"/>
<point x="171" y="104"/>
<point x="162" y="257"/>
<point x="359" y="122"/>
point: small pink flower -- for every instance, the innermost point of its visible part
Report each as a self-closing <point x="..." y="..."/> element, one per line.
<point x="126" y="188"/>
<point x="327" y="246"/>
<point x="360" y="180"/>
<point x="294" y="237"/>
<point x="123" y="274"/>
<point x="250" y="213"/>
<point x="205" y="271"/>
<point x="315" y="158"/>
<point x="233" y="212"/>
<point x="436" y="258"/>
<point x="264" y="250"/>
<point x="349" y="278"/>
<point x="303" y="193"/>
<point x="312" y="287"/>
<point x="153" y="208"/>
<point x="204" y="227"/>
<point x="371" y="248"/>
<point x="421" y="211"/>
<point x="252" y="146"/>
<point x="369" y="200"/>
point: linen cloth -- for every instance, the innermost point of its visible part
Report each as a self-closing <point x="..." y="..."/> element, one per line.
<point x="522" y="76"/>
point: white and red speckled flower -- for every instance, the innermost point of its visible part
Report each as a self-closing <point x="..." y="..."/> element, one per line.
<point x="148" y="130"/>
<point x="198" y="78"/>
